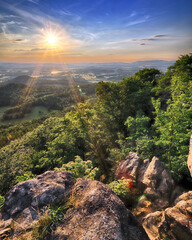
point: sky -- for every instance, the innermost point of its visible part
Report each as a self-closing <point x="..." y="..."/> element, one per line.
<point x="94" y="31"/>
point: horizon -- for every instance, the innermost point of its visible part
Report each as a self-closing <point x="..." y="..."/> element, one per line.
<point x="88" y="62"/>
<point x="42" y="31"/>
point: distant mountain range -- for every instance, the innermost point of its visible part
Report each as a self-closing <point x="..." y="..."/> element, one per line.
<point x="77" y="65"/>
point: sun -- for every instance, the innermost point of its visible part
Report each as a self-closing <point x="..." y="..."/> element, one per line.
<point x="51" y="39"/>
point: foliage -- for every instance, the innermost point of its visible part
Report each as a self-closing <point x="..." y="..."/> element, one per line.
<point x="50" y="217"/>
<point x="2" y="200"/>
<point x="174" y="125"/>
<point x="122" y="188"/>
<point x="80" y="168"/>
<point x="149" y="113"/>
<point x="138" y="139"/>
<point x="26" y="176"/>
<point x="44" y="226"/>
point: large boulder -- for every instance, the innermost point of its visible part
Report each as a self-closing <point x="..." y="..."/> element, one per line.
<point x="158" y="180"/>
<point x="98" y="214"/>
<point x="95" y="211"/>
<point x="189" y="160"/>
<point x="151" y="177"/>
<point x="174" y="223"/>
<point x="26" y="200"/>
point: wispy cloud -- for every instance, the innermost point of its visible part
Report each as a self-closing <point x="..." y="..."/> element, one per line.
<point x="38" y="49"/>
<point x="34" y="1"/>
<point x="133" y="14"/>
<point x="19" y="50"/>
<point x="153" y="38"/>
<point x="69" y="14"/>
<point x="161" y="36"/>
<point x="143" y="39"/>
<point x="138" y="21"/>
<point x="6" y="39"/>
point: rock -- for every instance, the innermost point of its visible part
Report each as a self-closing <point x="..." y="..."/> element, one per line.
<point x="28" y="198"/>
<point x="152" y="223"/>
<point x="142" y="170"/>
<point x="185" y="196"/>
<point x="95" y="212"/>
<point x="98" y="214"/>
<point x="159" y="179"/>
<point x="175" y="222"/>
<point x="152" y="178"/>
<point x="5" y="228"/>
<point x="129" y="167"/>
<point x="189" y="160"/>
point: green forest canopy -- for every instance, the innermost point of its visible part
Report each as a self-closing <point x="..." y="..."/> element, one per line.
<point x="149" y="113"/>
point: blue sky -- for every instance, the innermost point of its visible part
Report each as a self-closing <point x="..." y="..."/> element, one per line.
<point x="94" y="31"/>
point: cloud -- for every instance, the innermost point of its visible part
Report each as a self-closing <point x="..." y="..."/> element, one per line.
<point x="10" y="38"/>
<point x="153" y="38"/>
<point x="133" y="14"/>
<point x="19" y="50"/>
<point x="147" y="39"/>
<point x="18" y="40"/>
<point x="119" y="42"/>
<point x="38" y="49"/>
<point x="34" y="1"/>
<point x="138" y="21"/>
<point x="161" y="36"/>
<point x="68" y="14"/>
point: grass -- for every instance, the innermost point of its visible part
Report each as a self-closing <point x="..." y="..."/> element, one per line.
<point x="50" y="218"/>
<point x="44" y="226"/>
<point x="36" y="112"/>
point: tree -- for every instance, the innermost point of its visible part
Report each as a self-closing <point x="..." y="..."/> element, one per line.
<point x="174" y="124"/>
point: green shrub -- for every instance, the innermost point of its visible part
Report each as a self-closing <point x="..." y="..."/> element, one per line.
<point x="122" y="188"/>
<point x="26" y="176"/>
<point x="2" y="200"/>
<point x="80" y="168"/>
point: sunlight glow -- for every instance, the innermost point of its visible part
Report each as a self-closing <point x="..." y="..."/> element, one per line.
<point x="51" y="39"/>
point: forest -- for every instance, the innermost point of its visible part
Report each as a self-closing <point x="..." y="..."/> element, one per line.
<point x="149" y="113"/>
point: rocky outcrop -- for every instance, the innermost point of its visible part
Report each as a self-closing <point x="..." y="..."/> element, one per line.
<point x="189" y="160"/>
<point x="174" y="223"/>
<point x="25" y="201"/>
<point x="152" y="178"/>
<point x="96" y="212"/>
<point x="32" y="195"/>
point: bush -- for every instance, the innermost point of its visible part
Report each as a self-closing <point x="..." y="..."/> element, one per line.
<point x="25" y="177"/>
<point x="80" y="168"/>
<point x="122" y="188"/>
<point x="2" y="200"/>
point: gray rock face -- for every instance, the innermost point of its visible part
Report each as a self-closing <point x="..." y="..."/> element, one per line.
<point x="129" y="167"/>
<point x="189" y="160"/>
<point x="31" y="196"/>
<point x="158" y="179"/>
<point x="98" y="214"/>
<point x="151" y="177"/>
<point x="174" y="223"/>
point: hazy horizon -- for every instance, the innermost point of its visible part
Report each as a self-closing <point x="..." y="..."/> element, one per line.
<point x="150" y="60"/>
